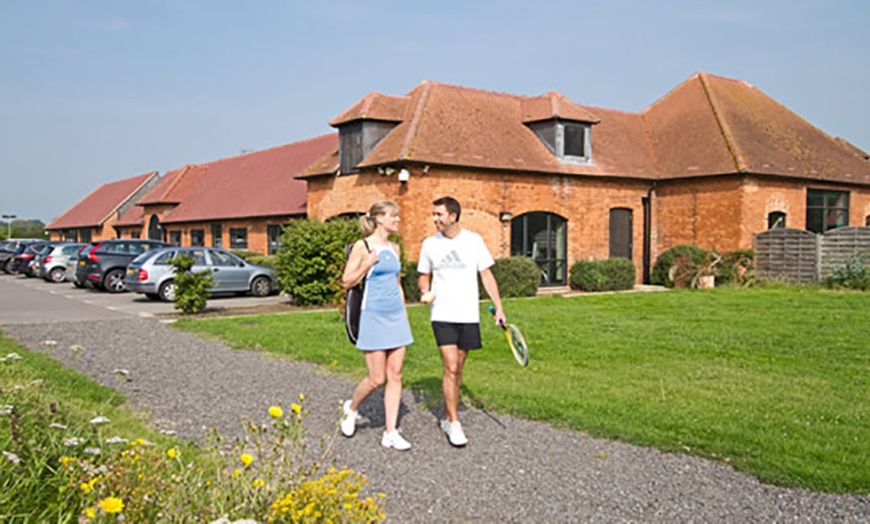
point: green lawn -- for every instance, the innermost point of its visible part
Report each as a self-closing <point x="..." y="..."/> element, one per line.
<point x="773" y="381"/>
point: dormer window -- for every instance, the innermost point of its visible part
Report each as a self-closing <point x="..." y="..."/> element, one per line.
<point x="357" y="139"/>
<point x="569" y="141"/>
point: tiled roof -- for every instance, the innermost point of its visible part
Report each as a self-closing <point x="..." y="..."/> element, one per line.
<point x="133" y="217"/>
<point x="711" y="125"/>
<point x="98" y="206"/>
<point x="707" y="125"/>
<point x="257" y="184"/>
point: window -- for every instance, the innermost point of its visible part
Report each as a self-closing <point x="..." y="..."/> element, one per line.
<point x="776" y="220"/>
<point x="197" y="237"/>
<point x="216" y="236"/>
<point x="224" y="259"/>
<point x="71" y="235"/>
<point x="164" y="258"/>
<point x="85" y="235"/>
<point x="867" y="221"/>
<point x="826" y="210"/>
<point x="134" y="234"/>
<point x="155" y="230"/>
<point x="568" y="141"/>
<point x="543" y="237"/>
<point x="274" y="233"/>
<point x="357" y="139"/>
<point x="175" y="238"/>
<point x="238" y="238"/>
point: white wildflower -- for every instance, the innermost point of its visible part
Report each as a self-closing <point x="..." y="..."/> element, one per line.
<point x="168" y="432"/>
<point x="6" y="410"/>
<point x="121" y="372"/>
<point x="37" y="382"/>
<point x="92" y="451"/>
<point x="49" y="343"/>
<point x="76" y="349"/>
<point x="17" y="387"/>
<point x="55" y="425"/>
<point x="13" y="356"/>
<point x="13" y="458"/>
<point x="116" y="440"/>
<point x="73" y="441"/>
<point x="100" y="420"/>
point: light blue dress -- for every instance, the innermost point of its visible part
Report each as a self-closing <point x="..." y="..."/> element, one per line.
<point x="383" y="322"/>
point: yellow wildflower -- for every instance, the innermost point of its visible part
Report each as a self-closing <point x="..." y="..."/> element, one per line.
<point x="301" y="397"/>
<point x="90" y="513"/>
<point x="112" y="505"/>
<point x="259" y="483"/>
<point x="246" y="459"/>
<point x="88" y="486"/>
<point x="276" y="412"/>
<point x="295" y="407"/>
<point x="236" y="472"/>
<point x="172" y="453"/>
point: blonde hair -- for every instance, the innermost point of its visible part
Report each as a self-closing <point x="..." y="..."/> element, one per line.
<point x="367" y="222"/>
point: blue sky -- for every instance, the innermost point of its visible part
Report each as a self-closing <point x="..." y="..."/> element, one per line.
<point x="94" y="91"/>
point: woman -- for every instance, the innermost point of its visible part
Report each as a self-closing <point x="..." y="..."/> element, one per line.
<point x="384" y="330"/>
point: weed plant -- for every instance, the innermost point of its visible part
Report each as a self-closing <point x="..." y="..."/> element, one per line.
<point x="69" y="455"/>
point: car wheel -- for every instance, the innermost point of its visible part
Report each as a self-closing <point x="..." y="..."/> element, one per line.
<point x="57" y="275"/>
<point x="114" y="281"/>
<point x="7" y="267"/>
<point x="261" y="287"/>
<point x="167" y="291"/>
<point x="152" y="296"/>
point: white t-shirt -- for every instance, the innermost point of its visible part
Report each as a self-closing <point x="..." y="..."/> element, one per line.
<point x="453" y="264"/>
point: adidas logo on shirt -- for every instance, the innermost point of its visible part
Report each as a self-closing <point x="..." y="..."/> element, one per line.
<point x="451" y="261"/>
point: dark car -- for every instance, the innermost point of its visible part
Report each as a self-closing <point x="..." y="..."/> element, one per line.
<point x="23" y="253"/>
<point x="104" y="264"/>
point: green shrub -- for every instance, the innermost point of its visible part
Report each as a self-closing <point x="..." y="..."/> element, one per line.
<point x="689" y="254"/>
<point x="409" y="281"/>
<point x="853" y="275"/>
<point x="603" y="275"/>
<point x="191" y="288"/>
<point x="311" y="259"/>
<point x="516" y="277"/>
<point x="246" y="254"/>
<point x="736" y="267"/>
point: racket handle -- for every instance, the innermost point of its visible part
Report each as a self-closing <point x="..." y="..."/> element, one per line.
<point x="500" y="322"/>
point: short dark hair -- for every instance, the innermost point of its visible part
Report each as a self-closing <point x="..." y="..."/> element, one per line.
<point x="451" y="204"/>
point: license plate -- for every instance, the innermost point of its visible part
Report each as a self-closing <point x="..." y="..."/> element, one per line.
<point x="81" y="262"/>
<point x="129" y="270"/>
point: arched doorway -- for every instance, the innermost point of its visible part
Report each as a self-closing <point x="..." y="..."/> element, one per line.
<point x="155" y="230"/>
<point x="543" y="237"/>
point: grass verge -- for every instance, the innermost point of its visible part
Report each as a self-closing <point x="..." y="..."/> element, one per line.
<point x="772" y="381"/>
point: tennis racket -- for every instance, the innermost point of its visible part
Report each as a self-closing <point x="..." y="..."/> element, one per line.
<point x="515" y="340"/>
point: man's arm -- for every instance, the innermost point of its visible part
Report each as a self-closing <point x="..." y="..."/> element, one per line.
<point x="424" y="283"/>
<point x="491" y="287"/>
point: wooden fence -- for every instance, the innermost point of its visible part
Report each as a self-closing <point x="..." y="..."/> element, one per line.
<point x="803" y="256"/>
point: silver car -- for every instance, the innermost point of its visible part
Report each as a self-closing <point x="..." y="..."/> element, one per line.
<point x="53" y="263"/>
<point x="151" y="274"/>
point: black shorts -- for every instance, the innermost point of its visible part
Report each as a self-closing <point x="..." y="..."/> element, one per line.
<point x="463" y="336"/>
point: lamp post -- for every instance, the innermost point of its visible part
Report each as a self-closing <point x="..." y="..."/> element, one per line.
<point x="9" y="219"/>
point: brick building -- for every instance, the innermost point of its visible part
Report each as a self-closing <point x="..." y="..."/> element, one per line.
<point x="711" y="163"/>
<point x="95" y="216"/>
<point x="241" y="202"/>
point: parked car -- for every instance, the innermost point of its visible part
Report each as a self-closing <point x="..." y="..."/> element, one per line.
<point x="12" y="248"/>
<point x="24" y="254"/>
<point x="53" y="263"/>
<point x="151" y="274"/>
<point x="103" y="265"/>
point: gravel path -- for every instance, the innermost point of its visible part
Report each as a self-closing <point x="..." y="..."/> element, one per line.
<point x="511" y="471"/>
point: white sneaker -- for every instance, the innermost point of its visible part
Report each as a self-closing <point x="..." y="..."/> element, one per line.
<point x="348" y="423"/>
<point x="393" y="439"/>
<point x="454" y="432"/>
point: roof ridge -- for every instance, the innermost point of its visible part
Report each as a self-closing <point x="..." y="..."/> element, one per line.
<point x="146" y="177"/>
<point x="426" y="88"/>
<point x="256" y="151"/>
<point x="730" y="143"/>
<point x="431" y="83"/>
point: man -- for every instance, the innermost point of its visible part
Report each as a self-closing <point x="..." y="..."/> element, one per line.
<point x="449" y="263"/>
